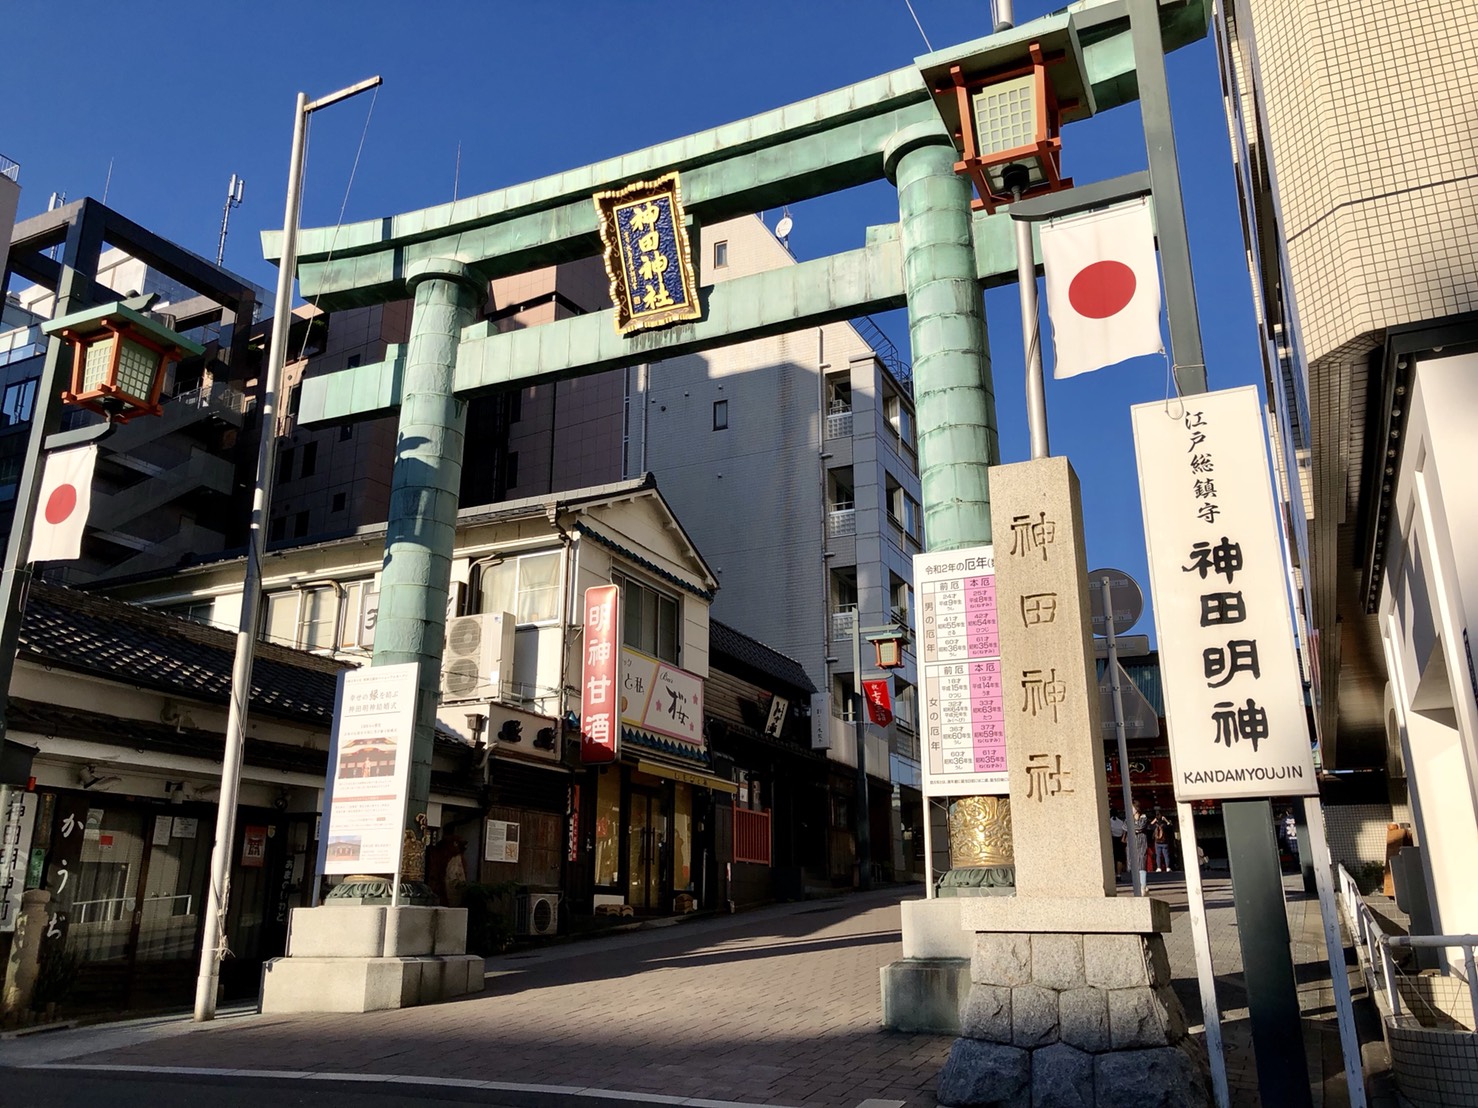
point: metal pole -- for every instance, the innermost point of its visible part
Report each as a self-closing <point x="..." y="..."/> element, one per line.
<point x="1005" y="17"/>
<point x="929" y="848"/>
<point x="862" y="819"/>
<point x="1334" y="948"/>
<point x="1170" y="227"/>
<point x="1031" y="336"/>
<point x="1133" y="848"/>
<point x="218" y="895"/>
<point x="1201" y="942"/>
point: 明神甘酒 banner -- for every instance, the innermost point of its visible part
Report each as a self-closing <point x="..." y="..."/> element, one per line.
<point x="1234" y="699"/>
<point x="647" y="256"/>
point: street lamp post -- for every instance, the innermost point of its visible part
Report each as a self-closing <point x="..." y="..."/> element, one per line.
<point x="889" y="644"/>
<point x="213" y="942"/>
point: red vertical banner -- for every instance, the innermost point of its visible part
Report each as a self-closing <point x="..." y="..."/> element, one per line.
<point x="254" y="847"/>
<point x="879" y="701"/>
<point x="600" y="718"/>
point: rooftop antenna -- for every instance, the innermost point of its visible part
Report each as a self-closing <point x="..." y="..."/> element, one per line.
<point x="108" y="181"/>
<point x="457" y="173"/>
<point x="783" y="228"/>
<point x="233" y="200"/>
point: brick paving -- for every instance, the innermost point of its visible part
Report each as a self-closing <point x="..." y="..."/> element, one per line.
<point x="776" y="1006"/>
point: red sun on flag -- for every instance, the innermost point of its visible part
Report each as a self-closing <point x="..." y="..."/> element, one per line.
<point x="1102" y="289"/>
<point x="60" y="504"/>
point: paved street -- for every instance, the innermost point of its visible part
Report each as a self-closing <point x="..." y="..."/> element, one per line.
<point x="777" y="1006"/>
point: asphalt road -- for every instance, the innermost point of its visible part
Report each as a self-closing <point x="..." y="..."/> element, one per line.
<point x="63" y="1089"/>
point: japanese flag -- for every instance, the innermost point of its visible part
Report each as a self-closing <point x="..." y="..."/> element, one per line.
<point x="63" y="505"/>
<point x="1103" y="289"/>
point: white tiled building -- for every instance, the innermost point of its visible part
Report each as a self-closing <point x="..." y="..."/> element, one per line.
<point x="1359" y="178"/>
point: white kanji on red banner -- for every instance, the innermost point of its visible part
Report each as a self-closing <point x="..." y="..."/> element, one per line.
<point x="1103" y="290"/>
<point x="63" y="505"/>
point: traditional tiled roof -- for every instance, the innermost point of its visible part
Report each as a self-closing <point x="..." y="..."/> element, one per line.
<point x="726" y="642"/>
<point x="79" y="631"/>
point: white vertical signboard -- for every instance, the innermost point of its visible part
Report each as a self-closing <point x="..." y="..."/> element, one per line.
<point x="369" y="769"/>
<point x="960" y="673"/>
<point x="1234" y="702"/>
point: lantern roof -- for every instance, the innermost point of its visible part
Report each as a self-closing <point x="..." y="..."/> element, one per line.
<point x="91" y="320"/>
<point x="1007" y="51"/>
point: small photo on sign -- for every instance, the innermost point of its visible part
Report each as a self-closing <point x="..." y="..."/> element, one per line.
<point x="372" y="757"/>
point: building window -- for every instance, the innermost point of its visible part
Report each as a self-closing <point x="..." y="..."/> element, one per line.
<point x="285" y="458"/>
<point x="720" y="255"/>
<point x="19" y="401"/>
<point x="905" y="512"/>
<point x="900" y="418"/>
<point x="318" y="618"/>
<point x="510" y="469"/>
<point x="339" y="501"/>
<point x="196" y="611"/>
<point x="354" y="361"/>
<point x="310" y="460"/>
<point x="649" y="619"/>
<point x="300" y="525"/>
<point x="527" y="586"/>
<point x="346" y="432"/>
<point x="515" y="405"/>
<point x="720" y="415"/>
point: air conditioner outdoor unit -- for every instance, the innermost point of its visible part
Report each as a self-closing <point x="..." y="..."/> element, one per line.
<point x="477" y="657"/>
<point x="537" y="914"/>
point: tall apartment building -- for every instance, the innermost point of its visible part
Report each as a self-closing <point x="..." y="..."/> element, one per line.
<point x="1359" y="189"/>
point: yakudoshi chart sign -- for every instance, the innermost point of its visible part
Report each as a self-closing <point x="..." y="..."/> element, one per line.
<point x="1234" y="701"/>
<point x="960" y="664"/>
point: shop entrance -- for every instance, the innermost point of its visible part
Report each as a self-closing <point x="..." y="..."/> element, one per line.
<point x="647" y="847"/>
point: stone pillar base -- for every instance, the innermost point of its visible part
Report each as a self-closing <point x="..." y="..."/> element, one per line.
<point x="1064" y="1018"/>
<point x="367" y="957"/>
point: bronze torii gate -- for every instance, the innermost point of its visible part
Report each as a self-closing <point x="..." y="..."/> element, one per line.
<point x="935" y="260"/>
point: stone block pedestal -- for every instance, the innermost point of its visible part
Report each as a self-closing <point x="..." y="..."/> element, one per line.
<point x="1072" y="1019"/>
<point x="364" y="958"/>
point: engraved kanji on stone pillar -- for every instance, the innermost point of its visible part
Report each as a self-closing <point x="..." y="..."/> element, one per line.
<point x="1053" y="750"/>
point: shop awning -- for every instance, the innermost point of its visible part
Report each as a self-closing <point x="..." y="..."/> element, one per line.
<point x="687" y="776"/>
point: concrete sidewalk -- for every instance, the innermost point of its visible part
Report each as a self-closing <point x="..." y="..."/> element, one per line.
<point x="775" y="1006"/>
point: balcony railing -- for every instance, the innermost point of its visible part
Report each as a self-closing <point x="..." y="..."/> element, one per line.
<point x="839" y="424"/>
<point x="841" y="521"/>
<point x="841" y="623"/>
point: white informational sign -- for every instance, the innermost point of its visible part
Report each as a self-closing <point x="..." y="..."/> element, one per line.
<point x="960" y="673"/>
<point x="183" y="827"/>
<point x="369" y="769"/>
<point x="501" y="841"/>
<point x="661" y="698"/>
<point x="15" y="853"/>
<point x="1234" y="701"/>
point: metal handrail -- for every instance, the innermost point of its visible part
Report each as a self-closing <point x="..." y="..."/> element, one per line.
<point x="9" y="168"/>
<point x="1375" y="945"/>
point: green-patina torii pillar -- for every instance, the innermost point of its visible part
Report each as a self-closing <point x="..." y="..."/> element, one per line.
<point x="416" y="576"/>
<point x="953" y="396"/>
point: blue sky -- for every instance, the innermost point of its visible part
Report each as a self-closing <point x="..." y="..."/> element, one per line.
<point x="179" y="96"/>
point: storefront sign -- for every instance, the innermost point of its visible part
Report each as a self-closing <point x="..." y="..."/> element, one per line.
<point x="661" y="698"/>
<point x="1234" y="702"/>
<point x="600" y="726"/>
<point x="820" y="721"/>
<point x="879" y="701"/>
<point x="500" y="841"/>
<point x="572" y="838"/>
<point x="369" y="768"/>
<point x="19" y="820"/>
<point x="254" y="847"/>
<point x="1148" y="771"/>
<point x="960" y="663"/>
<point x="647" y="256"/>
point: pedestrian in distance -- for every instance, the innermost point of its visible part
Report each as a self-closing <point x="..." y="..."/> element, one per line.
<point x="1117" y="836"/>
<point x="1160" y="830"/>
